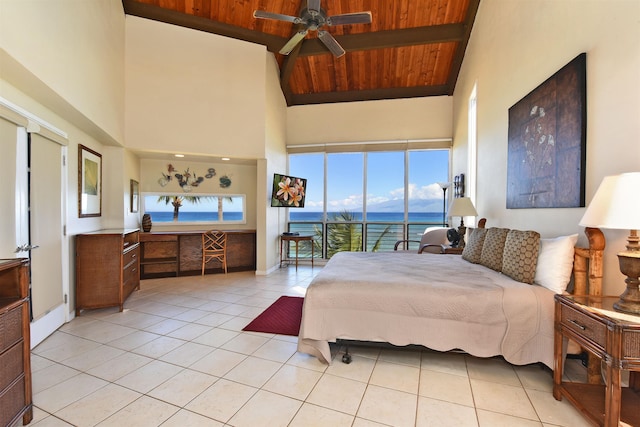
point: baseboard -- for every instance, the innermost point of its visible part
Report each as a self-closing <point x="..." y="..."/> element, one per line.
<point x="46" y="325"/>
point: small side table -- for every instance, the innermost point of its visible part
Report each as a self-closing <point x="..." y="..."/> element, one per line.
<point x="297" y="239"/>
<point x="614" y="338"/>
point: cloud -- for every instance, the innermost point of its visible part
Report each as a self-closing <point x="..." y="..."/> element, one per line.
<point x="427" y="193"/>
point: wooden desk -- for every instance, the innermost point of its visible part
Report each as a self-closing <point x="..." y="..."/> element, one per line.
<point x="179" y="253"/>
<point x="592" y="322"/>
<point x="297" y="239"/>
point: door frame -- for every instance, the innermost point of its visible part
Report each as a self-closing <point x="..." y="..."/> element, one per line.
<point x="27" y="122"/>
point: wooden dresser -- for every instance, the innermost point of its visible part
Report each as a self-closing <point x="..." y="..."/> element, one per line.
<point x="107" y="268"/>
<point x="15" y="352"/>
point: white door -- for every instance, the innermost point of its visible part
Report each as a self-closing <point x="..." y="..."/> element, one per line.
<point x="46" y="227"/>
<point x="31" y="226"/>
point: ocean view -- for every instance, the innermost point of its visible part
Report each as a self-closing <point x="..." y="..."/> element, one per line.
<point x="422" y="217"/>
<point x="194" y="216"/>
<point x="297" y="216"/>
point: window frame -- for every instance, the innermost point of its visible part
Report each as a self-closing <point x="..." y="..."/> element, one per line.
<point x="155" y="194"/>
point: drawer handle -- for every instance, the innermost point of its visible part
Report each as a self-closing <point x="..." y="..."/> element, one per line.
<point x="578" y="324"/>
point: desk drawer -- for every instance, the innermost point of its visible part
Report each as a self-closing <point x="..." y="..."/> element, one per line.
<point x="130" y="272"/>
<point x="130" y="255"/>
<point x="584" y="325"/>
<point x="10" y="327"/>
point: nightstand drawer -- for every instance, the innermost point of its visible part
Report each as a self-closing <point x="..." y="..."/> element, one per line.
<point x="584" y="325"/>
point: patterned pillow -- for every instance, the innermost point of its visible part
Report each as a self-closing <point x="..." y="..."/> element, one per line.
<point x="493" y="247"/>
<point x="473" y="248"/>
<point x="520" y="255"/>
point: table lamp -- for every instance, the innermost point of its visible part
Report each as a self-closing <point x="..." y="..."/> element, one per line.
<point x="616" y="205"/>
<point x="462" y="206"/>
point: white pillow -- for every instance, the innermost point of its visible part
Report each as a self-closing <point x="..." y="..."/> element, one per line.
<point x="555" y="262"/>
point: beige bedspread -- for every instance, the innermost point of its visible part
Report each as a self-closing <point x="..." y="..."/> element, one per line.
<point x="439" y="301"/>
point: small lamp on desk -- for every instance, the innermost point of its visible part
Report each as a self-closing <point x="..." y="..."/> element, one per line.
<point x="616" y="205"/>
<point x="462" y="206"/>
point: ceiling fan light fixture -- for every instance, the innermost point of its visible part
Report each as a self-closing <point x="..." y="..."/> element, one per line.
<point x="313" y="18"/>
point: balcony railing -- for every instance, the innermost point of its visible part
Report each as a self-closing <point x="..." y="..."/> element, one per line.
<point x="337" y="236"/>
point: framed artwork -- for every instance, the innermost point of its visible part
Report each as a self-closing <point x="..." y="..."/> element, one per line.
<point x="89" y="182"/>
<point x="135" y="195"/>
<point x="458" y="186"/>
<point x="547" y="142"/>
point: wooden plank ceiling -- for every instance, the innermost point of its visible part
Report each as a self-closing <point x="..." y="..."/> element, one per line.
<point x="412" y="48"/>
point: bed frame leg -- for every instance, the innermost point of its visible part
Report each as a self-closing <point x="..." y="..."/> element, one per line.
<point x="346" y="357"/>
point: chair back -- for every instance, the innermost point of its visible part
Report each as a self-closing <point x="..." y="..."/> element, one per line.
<point x="214" y="246"/>
<point x="434" y="236"/>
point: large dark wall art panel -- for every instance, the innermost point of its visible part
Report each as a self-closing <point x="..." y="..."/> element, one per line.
<point x="547" y="142"/>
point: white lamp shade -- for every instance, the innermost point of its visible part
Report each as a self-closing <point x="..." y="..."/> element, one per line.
<point x="462" y="206"/>
<point x="616" y="204"/>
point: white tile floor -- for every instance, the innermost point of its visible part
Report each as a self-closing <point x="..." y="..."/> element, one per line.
<point x="177" y="356"/>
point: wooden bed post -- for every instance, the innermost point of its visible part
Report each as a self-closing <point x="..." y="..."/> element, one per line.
<point x="587" y="265"/>
<point x="588" y="269"/>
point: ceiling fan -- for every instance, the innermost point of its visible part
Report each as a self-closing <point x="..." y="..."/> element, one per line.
<point x="313" y="18"/>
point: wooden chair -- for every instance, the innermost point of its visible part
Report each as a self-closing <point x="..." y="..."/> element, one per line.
<point x="214" y="246"/>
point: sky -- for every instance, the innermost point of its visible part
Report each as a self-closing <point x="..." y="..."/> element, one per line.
<point x="385" y="180"/>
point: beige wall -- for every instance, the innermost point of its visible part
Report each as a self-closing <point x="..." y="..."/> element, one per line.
<point x="270" y="222"/>
<point x="515" y="46"/>
<point x="193" y="92"/>
<point x="397" y="119"/>
<point x="69" y="55"/>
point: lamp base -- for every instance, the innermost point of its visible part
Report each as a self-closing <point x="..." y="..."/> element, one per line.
<point x="630" y="299"/>
<point x="462" y="230"/>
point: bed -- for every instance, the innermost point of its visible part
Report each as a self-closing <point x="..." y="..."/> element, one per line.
<point x="442" y="302"/>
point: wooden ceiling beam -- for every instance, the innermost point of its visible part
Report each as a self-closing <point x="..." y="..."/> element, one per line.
<point x="461" y="48"/>
<point x="366" y="95"/>
<point x="157" y="13"/>
<point x="389" y="39"/>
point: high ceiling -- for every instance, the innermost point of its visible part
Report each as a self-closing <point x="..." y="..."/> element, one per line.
<point x="412" y="48"/>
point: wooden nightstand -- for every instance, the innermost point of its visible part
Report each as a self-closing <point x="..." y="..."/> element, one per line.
<point x="452" y="251"/>
<point x="614" y="338"/>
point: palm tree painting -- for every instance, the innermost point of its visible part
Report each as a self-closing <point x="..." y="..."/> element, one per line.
<point x="177" y="201"/>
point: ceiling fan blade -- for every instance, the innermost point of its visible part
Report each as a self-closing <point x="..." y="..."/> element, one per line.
<point x="313" y="5"/>
<point x="331" y="43"/>
<point x="350" y="18"/>
<point x="277" y="16"/>
<point x="293" y="41"/>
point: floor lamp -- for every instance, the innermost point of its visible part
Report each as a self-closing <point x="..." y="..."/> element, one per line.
<point x="616" y="205"/>
<point x="444" y="186"/>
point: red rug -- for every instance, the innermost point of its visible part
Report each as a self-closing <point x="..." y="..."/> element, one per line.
<point x="282" y="317"/>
